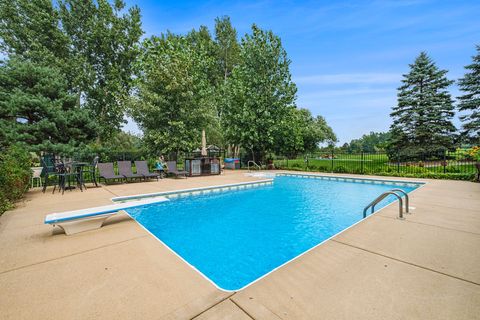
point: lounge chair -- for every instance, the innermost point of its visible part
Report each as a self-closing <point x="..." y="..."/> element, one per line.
<point x="142" y="168"/>
<point x="106" y="172"/>
<point x="125" y="169"/>
<point x="172" y="168"/>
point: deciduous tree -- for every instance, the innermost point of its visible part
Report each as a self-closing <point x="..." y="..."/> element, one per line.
<point x="173" y="103"/>
<point x="261" y="93"/>
<point x="300" y="133"/>
<point x="93" y="43"/>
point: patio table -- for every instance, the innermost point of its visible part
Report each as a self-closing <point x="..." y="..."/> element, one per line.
<point x="75" y="169"/>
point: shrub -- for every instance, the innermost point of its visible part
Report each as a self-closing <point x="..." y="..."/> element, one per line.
<point x="432" y="175"/>
<point x="296" y="165"/>
<point x="452" y="169"/>
<point x="413" y="170"/>
<point x="15" y="174"/>
<point x="340" y="169"/>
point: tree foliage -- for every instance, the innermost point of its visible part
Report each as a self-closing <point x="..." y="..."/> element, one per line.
<point x="422" y="117"/>
<point x="469" y="102"/>
<point x="228" y="49"/>
<point x="174" y="100"/>
<point x="174" y="85"/>
<point x="37" y="111"/>
<point x="372" y="142"/>
<point x="302" y="133"/>
<point x="15" y="175"/>
<point x="93" y="43"/>
<point x="261" y="93"/>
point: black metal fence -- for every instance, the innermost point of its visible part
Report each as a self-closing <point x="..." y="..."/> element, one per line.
<point x="452" y="163"/>
<point x="445" y="162"/>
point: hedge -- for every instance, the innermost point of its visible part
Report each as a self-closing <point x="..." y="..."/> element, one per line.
<point x="420" y="174"/>
<point x="15" y="175"/>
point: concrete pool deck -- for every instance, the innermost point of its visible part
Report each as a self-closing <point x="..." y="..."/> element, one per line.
<point x="424" y="267"/>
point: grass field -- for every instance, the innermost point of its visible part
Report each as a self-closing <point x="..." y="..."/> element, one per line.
<point x="376" y="163"/>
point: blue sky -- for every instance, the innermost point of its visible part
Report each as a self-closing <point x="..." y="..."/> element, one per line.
<point x="347" y="56"/>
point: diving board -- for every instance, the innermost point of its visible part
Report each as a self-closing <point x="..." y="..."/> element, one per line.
<point x="93" y="218"/>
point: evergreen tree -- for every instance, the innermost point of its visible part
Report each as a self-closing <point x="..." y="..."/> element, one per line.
<point x="37" y="111"/>
<point x="91" y="42"/>
<point x="470" y="101"/>
<point x="422" y="119"/>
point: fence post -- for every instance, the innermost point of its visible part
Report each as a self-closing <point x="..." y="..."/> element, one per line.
<point x="398" y="162"/>
<point x="333" y="156"/>
<point x="444" y="161"/>
<point x="362" y="163"/>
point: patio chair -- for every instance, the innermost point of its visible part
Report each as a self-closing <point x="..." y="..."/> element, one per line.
<point x="67" y="172"/>
<point x="49" y="169"/>
<point x="142" y="168"/>
<point x="125" y="169"/>
<point x="106" y="172"/>
<point x="91" y="169"/>
<point x="172" y="168"/>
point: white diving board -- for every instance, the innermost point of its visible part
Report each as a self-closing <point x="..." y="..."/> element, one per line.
<point x="93" y="218"/>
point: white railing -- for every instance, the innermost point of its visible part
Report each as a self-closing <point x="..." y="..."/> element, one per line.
<point x="254" y="164"/>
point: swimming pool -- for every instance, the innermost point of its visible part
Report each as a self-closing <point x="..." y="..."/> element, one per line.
<point x="233" y="238"/>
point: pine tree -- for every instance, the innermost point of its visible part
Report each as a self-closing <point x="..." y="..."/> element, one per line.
<point x="92" y="42"/>
<point x="38" y="112"/>
<point x="422" y="119"/>
<point x="470" y="101"/>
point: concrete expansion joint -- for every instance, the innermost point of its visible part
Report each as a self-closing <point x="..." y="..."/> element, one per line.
<point x="73" y="254"/>
<point x="110" y="191"/>
<point x="239" y="307"/>
<point x="406" y="262"/>
<point x="430" y="225"/>
<point x="213" y="305"/>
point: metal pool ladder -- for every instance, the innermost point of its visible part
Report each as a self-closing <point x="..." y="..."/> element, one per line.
<point x="254" y="165"/>
<point x="386" y="194"/>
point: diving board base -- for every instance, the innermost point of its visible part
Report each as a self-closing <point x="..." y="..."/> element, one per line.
<point x="82" y="225"/>
<point x="93" y="218"/>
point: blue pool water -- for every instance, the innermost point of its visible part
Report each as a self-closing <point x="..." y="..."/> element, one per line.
<point x="235" y="237"/>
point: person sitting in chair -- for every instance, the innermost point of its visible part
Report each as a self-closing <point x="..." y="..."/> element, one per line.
<point x="160" y="166"/>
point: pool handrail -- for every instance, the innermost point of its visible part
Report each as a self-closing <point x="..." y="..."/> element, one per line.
<point x="407" y="205"/>
<point x="383" y="196"/>
<point x="254" y="164"/>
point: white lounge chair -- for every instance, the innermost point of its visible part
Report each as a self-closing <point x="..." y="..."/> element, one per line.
<point x="93" y="218"/>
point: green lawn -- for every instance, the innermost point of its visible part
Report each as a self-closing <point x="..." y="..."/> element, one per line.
<point x="375" y="163"/>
